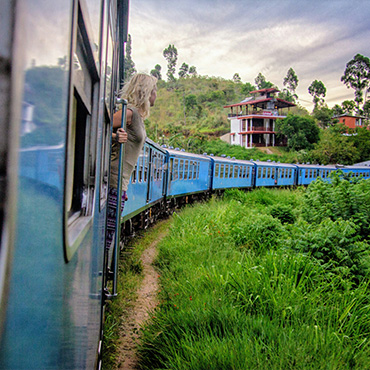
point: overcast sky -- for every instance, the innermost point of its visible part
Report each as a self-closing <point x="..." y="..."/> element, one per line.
<point x="314" y="37"/>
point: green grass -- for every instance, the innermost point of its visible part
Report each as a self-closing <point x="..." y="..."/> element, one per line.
<point x="235" y="294"/>
<point x="129" y="279"/>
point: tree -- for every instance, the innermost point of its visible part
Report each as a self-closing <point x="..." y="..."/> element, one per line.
<point x="337" y="110"/>
<point x="366" y="109"/>
<point x="318" y="90"/>
<point x="247" y="88"/>
<point x="183" y="72"/>
<point x="348" y="106"/>
<point x="291" y="82"/>
<point x="357" y="76"/>
<point x="192" y="71"/>
<point x="156" y="72"/>
<point x="334" y="148"/>
<point x="170" y="55"/>
<point x="287" y="95"/>
<point x="323" y="115"/>
<point x="301" y="131"/>
<point x="129" y="63"/>
<point x="261" y="82"/>
<point x="236" y="78"/>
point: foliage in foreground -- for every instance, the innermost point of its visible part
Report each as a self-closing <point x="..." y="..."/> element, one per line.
<point x="243" y="287"/>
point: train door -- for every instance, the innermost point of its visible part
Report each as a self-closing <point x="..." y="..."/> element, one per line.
<point x="150" y="176"/>
<point x="9" y="127"/>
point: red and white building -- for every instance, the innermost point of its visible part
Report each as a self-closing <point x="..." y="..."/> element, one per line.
<point x="252" y="121"/>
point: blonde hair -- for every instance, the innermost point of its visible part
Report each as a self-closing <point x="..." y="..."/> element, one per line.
<point x="137" y="92"/>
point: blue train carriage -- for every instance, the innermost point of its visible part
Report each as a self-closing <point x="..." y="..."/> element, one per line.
<point x="188" y="177"/>
<point x="275" y="174"/>
<point x="61" y="64"/>
<point x="310" y="172"/>
<point x="231" y="173"/>
<point x="356" y="171"/>
<point x="147" y="187"/>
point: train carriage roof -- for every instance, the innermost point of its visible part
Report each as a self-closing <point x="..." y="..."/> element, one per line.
<point x="186" y="155"/>
<point x="274" y="164"/>
<point x="228" y="160"/>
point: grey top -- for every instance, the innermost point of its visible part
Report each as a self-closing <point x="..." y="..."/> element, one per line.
<point x="136" y="136"/>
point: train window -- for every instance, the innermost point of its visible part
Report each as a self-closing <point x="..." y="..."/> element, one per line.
<point x="290" y="173"/>
<point x="236" y="171"/>
<point x="259" y="172"/>
<point x="230" y="171"/>
<point x="306" y="173"/>
<point x="191" y="170"/>
<point x="181" y="169"/>
<point x="198" y="168"/>
<point x="172" y="175"/>
<point x="221" y="171"/>
<point x="141" y="166"/>
<point x="247" y="171"/>
<point x="82" y="139"/>
<point x="176" y="164"/>
<point x="217" y="170"/>
<point x="146" y="163"/>
<point x="186" y="169"/>
<point x="134" y="175"/>
<point x="272" y="173"/>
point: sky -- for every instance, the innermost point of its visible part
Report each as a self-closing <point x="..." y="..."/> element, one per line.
<point x="317" y="38"/>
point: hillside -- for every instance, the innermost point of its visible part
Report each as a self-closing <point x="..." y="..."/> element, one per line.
<point x="189" y="114"/>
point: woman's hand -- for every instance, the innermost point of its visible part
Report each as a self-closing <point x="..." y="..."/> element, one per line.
<point x="120" y="136"/>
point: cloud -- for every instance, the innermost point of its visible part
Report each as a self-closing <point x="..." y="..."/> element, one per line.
<point x="316" y="38"/>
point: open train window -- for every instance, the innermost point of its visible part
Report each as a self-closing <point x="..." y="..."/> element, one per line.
<point x="172" y="176"/>
<point x="191" y="170"/>
<point x="82" y="139"/>
<point x="186" y="169"/>
<point x="236" y="171"/>
<point x="259" y="172"/>
<point x="181" y="169"/>
<point x="222" y="171"/>
<point x="146" y="163"/>
<point x="176" y="164"/>
<point x="134" y="175"/>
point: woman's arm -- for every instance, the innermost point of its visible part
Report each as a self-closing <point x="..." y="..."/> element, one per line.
<point x="121" y="134"/>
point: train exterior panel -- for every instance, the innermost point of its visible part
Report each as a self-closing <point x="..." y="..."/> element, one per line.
<point x="232" y="173"/>
<point x="63" y="65"/>
<point x="358" y="171"/>
<point x="187" y="173"/>
<point x="274" y="174"/>
<point x="310" y="172"/>
<point x="147" y="182"/>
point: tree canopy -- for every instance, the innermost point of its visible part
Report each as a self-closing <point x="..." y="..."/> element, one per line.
<point x="262" y="83"/>
<point x="318" y="90"/>
<point x="156" y="72"/>
<point x="301" y="131"/>
<point x="129" y="63"/>
<point x="357" y="76"/>
<point x="170" y="54"/>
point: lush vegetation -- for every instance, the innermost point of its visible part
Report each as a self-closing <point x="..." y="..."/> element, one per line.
<point x="129" y="278"/>
<point x="270" y="279"/>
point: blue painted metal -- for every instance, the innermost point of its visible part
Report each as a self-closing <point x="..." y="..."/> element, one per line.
<point x="232" y="173"/>
<point x="187" y="173"/>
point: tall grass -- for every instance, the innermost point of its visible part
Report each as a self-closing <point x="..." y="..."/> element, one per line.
<point x="237" y="292"/>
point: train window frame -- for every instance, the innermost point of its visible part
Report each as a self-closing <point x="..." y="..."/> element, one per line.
<point x="186" y="169"/>
<point x="181" y="169"/>
<point x="176" y="165"/>
<point x="236" y="171"/>
<point x="82" y="139"/>
<point x="222" y="171"/>
<point x="217" y="170"/>
<point x="134" y="175"/>
<point x="191" y="169"/>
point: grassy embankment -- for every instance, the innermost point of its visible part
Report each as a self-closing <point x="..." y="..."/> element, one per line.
<point x="270" y="279"/>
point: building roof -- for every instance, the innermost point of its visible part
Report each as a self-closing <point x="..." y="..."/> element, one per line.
<point x="271" y="89"/>
<point x="348" y="115"/>
<point x="281" y="103"/>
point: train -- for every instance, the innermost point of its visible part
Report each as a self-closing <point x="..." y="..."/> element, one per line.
<point x="61" y="67"/>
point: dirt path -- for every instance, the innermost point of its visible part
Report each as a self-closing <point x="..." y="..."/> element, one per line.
<point x="146" y="301"/>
